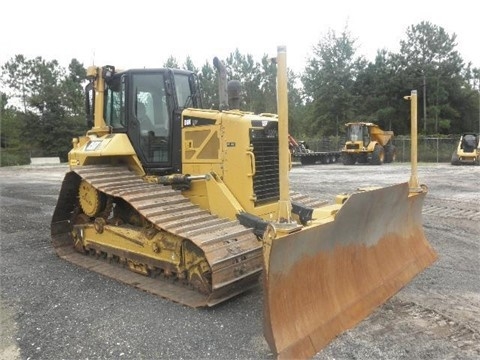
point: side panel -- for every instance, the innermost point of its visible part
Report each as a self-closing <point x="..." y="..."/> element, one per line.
<point x="107" y="149"/>
<point x="240" y="149"/>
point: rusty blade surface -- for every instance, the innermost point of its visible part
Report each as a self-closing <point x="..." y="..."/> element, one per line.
<point x="327" y="277"/>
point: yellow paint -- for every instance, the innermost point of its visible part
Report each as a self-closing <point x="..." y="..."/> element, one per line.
<point x="106" y="149"/>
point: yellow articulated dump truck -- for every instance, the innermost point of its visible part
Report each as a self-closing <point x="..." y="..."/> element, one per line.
<point x="194" y="205"/>
<point x="467" y="150"/>
<point x="368" y="143"/>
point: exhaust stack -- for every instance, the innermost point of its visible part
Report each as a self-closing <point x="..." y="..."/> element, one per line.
<point x="228" y="91"/>
<point x="222" y="83"/>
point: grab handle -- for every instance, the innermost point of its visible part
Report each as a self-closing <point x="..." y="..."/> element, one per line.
<point x="252" y="158"/>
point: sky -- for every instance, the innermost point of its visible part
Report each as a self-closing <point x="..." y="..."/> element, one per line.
<point x="144" y="33"/>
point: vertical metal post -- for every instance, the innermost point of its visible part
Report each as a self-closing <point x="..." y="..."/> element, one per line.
<point x="97" y="75"/>
<point x="282" y="100"/>
<point x="413" y="182"/>
<point x="424" y="104"/>
<point x="284" y="223"/>
<point x="99" y="88"/>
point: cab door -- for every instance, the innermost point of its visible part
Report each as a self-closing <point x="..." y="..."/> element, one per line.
<point x="149" y="125"/>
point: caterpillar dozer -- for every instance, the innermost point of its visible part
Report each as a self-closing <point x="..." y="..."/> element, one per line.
<point x="194" y="205"/>
<point x="467" y="150"/>
<point x="368" y="143"/>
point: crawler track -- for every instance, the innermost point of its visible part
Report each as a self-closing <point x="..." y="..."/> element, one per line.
<point x="451" y="209"/>
<point x="233" y="252"/>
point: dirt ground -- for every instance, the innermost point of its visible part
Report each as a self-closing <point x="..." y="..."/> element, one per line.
<point x="51" y="309"/>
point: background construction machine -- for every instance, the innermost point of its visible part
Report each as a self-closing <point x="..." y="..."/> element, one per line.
<point x="196" y="203"/>
<point x="300" y="151"/>
<point x="467" y="150"/>
<point x="367" y="143"/>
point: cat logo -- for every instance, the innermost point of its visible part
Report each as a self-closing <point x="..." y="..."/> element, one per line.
<point x="190" y="122"/>
<point x="93" y="145"/>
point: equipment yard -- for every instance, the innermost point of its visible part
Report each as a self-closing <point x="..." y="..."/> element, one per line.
<point x="53" y="309"/>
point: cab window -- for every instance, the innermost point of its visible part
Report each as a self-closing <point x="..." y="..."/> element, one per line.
<point x="184" y="92"/>
<point x="115" y="103"/>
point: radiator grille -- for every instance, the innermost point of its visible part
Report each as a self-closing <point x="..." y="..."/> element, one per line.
<point x="266" y="179"/>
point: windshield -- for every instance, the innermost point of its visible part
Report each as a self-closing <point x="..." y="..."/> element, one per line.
<point x="354" y="132"/>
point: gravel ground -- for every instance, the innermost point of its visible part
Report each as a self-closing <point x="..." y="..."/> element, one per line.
<point x="51" y="309"/>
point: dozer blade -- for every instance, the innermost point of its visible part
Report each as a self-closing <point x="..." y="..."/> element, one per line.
<point x="327" y="277"/>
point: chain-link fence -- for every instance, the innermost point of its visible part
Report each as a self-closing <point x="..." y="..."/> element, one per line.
<point x="430" y="149"/>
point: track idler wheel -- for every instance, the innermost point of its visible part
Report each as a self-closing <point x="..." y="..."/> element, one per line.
<point x="92" y="201"/>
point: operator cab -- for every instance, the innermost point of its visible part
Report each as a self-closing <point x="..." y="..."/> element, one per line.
<point x="358" y="132"/>
<point x="469" y="142"/>
<point x="147" y="105"/>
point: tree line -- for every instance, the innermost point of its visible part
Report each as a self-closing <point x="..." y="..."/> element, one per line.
<point x="42" y="107"/>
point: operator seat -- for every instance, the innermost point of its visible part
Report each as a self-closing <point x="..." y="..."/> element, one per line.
<point x="144" y="121"/>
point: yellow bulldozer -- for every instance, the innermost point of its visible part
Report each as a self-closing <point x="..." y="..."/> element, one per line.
<point x="368" y="143"/>
<point x="194" y="205"/>
<point x="467" y="150"/>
